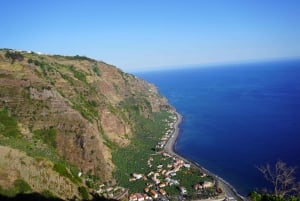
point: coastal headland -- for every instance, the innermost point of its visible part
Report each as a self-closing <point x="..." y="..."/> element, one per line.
<point x="229" y="191"/>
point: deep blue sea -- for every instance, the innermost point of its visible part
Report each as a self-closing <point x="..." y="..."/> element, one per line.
<point x="236" y="117"/>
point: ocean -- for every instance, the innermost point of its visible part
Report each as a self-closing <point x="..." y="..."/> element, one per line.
<point x="236" y="117"/>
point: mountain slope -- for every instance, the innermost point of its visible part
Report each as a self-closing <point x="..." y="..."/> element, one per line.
<point x="68" y="113"/>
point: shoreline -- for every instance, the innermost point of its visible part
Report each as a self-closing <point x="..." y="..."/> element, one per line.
<point x="230" y="192"/>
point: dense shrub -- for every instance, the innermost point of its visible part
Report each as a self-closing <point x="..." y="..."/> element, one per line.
<point x="83" y="192"/>
<point x="13" y="55"/>
<point x="22" y="186"/>
<point x="48" y="136"/>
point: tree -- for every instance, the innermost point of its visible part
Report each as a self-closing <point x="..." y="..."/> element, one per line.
<point x="282" y="177"/>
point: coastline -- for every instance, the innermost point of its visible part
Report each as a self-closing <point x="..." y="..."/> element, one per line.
<point x="229" y="190"/>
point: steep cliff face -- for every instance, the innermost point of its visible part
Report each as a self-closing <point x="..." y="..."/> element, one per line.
<point x="70" y="110"/>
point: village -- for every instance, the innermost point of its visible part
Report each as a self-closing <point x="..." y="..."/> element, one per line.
<point x="165" y="179"/>
<point x="156" y="182"/>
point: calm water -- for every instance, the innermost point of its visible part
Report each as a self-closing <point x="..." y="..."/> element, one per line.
<point x="236" y="117"/>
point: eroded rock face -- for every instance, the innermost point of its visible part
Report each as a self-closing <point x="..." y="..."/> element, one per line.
<point x="81" y="99"/>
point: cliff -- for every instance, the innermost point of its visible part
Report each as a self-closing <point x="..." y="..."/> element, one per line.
<point x="62" y="116"/>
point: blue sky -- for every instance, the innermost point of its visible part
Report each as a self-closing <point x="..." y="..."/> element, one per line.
<point x="138" y="35"/>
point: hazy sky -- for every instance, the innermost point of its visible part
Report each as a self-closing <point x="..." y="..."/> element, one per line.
<point x="141" y="35"/>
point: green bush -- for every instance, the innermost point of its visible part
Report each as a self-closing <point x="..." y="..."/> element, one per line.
<point x="255" y="196"/>
<point x="13" y="55"/>
<point x="147" y="134"/>
<point x="83" y="192"/>
<point x="22" y="186"/>
<point x="63" y="171"/>
<point x="8" y="124"/>
<point x="48" y="194"/>
<point x="48" y="136"/>
<point x="96" y="69"/>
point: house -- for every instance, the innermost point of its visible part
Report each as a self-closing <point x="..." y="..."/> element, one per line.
<point x="147" y="198"/>
<point x="173" y="174"/>
<point x="162" y="191"/>
<point x="136" y="197"/>
<point x="159" y="166"/>
<point x="149" y="185"/>
<point x="162" y="185"/>
<point x="153" y="194"/>
<point x="197" y="187"/>
<point x="207" y="184"/>
<point x="172" y="181"/>
<point x="150" y="173"/>
<point x="140" y="197"/>
<point x="166" y="155"/>
<point x="202" y="174"/>
<point x="187" y="165"/>
<point x="182" y="190"/>
<point x="137" y="176"/>
<point x="132" y="197"/>
<point x="146" y="190"/>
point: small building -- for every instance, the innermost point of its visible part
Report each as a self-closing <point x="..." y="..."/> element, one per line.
<point x="162" y="191"/>
<point x="187" y="165"/>
<point x="162" y="185"/>
<point x="146" y="190"/>
<point x="159" y="166"/>
<point x="132" y="197"/>
<point x="137" y="176"/>
<point x="153" y="194"/>
<point x="147" y="198"/>
<point x="140" y="197"/>
<point x="197" y="187"/>
<point x="207" y="184"/>
<point x="182" y="190"/>
<point x="173" y="174"/>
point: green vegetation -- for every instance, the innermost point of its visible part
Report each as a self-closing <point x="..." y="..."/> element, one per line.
<point x="47" y="136"/>
<point x="20" y="187"/>
<point x="14" y="55"/>
<point x="86" y="108"/>
<point x="83" y="192"/>
<point x="48" y="194"/>
<point x="63" y="171"/>
<point x="45" y="67"/>
<point x="255" y="196"/>
<point x="147" y="134"/>
<point x="8" y="125"/>
<point x="78" y="74"/>
<point x="96" y="69"/>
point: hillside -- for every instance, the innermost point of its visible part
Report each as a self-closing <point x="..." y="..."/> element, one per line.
<point x="61" y="119"/>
